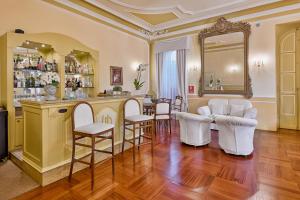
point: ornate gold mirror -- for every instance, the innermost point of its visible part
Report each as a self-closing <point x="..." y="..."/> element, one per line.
<point x="224" y="59"/>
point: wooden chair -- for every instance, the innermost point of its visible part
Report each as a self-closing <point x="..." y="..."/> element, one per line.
<point x="133" y="120"/>
<point x="83" y="126"/>
<point x="177" y="105"/>
<point x="148" y="107"/>
<point x="163" y="112"/>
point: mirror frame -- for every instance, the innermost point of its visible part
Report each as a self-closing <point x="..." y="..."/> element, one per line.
<point x="222" y="27"/>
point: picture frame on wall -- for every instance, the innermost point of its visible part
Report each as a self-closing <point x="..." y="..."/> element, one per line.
<point x="191" y="89"/>
<point x="116" y="75"/>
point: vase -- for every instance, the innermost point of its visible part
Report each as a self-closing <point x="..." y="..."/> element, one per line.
<point x="50" y="92"/>
<point x="138" y="92"/>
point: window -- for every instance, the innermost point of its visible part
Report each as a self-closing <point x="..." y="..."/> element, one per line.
<point x="169" y="76"/>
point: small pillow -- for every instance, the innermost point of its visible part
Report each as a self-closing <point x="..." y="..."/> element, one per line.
<point x="237" y="110"/>
<point x="250" y="113"/>
<point x="204" y="110"/>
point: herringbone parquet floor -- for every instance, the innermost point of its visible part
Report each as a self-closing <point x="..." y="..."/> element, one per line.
<point x="178" y="171"/>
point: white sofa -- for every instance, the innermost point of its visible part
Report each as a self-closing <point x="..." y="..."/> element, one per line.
<point x="194" y="129"/>
<point x="236" y="121"/>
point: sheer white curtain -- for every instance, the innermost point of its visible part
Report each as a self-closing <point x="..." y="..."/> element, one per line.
<point x="182" y="76"/>
<point x="167" y="74"/>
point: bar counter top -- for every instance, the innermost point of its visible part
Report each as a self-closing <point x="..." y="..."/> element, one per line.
<point x="45" y="103"/>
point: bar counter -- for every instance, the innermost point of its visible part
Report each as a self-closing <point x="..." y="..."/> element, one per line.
<point x="48" y="134"/>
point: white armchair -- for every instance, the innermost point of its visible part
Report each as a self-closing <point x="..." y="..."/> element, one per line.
<point x="235" y="119"/>
<point x="194" y="129"/>
<point x="236" y="134"/>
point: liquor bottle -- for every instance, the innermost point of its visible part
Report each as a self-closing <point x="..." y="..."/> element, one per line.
<point x="15" y="81"/>
<point x="54" y="66"/>
<point x="71" y="68"/>
<point x="39" y="65"/>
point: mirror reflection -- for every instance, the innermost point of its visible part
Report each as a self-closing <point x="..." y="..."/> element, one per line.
<point x="224" y="65"/>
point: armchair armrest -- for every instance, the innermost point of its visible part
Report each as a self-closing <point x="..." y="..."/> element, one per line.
<point x="204" y="110"/>
<point x="235" y="121"/>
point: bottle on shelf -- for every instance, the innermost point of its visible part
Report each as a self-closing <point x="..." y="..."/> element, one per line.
<point x="54" y="66"/>
<point x="15" y="81"/>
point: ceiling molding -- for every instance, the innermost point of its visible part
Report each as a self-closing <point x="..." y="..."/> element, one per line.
<point x="129" y="23"/>
<point x="136" y="20"/>
<point x="218" y="11"/>
<point x="262" y="16"/>
<point x="156" y="10"/>
<point x="101" y="17"/>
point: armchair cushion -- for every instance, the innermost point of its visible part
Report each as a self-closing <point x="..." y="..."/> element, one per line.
<point x="204" y="110"/>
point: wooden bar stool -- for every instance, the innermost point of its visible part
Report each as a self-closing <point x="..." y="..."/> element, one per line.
<point x="84" y="125"/>
<point x="133" y="117"/>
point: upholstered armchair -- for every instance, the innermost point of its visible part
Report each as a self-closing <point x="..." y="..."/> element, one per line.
<point x="235" y="119"/>
<point x="194" y="129"/>
<point x="236" y="134"/>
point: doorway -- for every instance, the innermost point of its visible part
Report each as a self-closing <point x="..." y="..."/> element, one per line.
<point x="289" y="80"/>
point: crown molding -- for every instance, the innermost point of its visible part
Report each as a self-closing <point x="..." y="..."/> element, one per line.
<point x="137" y="21"/>
<point x="157" y="10"/>
<point x="86" y="11"/>
<point x="218" y="11"/>
<point x="158" y="32"/>
<point x="262" y="16"/>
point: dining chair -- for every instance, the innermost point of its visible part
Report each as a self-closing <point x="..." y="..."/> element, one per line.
<point x="148" y="105"/>
<point x="162" y="113"/>
<point x="84" y="126"/>
<point x="133" y="120"/>
<point x="177" y="105"/>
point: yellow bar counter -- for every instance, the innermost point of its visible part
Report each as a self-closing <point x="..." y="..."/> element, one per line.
<point x="48" y="135"/>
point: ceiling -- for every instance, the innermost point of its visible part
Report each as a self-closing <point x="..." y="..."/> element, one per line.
<point x="159" y="16"/>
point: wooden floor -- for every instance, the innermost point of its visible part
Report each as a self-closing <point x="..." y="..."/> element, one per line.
<point x="179" y="171"/>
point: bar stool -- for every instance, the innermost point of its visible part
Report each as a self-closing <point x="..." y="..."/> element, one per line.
<point x="84" y="126"/>
<point x="132" y="116"/>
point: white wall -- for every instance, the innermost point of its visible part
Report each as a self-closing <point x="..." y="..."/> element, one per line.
<point x="116" y="48"/>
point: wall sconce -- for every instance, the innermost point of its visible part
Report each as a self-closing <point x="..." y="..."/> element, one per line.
<point x="259" y="64"/>
<point x="234" y="68"/>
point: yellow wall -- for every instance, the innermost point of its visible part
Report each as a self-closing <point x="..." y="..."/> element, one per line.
<point x="115" y="48"/>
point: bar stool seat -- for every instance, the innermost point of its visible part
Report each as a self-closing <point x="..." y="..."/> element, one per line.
<point x="139" y="118"/>
<point x="94" y="128"/>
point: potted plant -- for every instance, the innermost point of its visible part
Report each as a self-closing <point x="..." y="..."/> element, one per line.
<point x="50" y="81"/>
<point x="138" y="84"/>
<point x="117" y="90"/>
